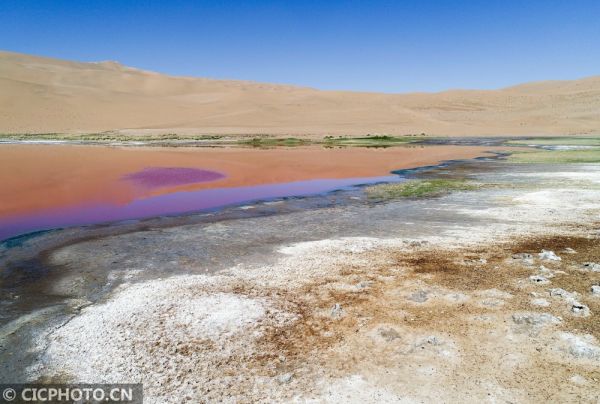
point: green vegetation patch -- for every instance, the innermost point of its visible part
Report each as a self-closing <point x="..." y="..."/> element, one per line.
<point x="375" y="140"/>
<point x="331" y="141"/>
<point x="257" y="140"/>
<point x="106" y="137"/>
<point x="418" y="188"/>
<point x="557" y="156"/>
<point x="271" y="142"/>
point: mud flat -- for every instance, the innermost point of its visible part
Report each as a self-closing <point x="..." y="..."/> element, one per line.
<point x="486" y="294"/>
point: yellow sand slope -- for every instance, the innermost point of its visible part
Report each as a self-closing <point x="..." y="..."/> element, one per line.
<point x="40" y="95"/>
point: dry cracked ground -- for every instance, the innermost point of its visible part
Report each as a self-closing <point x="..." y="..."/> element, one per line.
<point x="501" y="308"/>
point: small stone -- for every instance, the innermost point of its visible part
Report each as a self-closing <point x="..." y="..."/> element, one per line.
<point x="539" y="279"/>
<point x="595" y="290"/>
<point x="569" y="250"/>
<point x="285" y="378"/>
<point x="579" y="309"/>
<point x="548" y="255"/>
<point x="581" y="346"/>
<point x="591" y="266"/>
<point x="559" y="292"/>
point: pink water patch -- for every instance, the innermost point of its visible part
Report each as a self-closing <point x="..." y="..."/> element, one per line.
<point x="173" y="203"/>
<point x="156" y="177"/>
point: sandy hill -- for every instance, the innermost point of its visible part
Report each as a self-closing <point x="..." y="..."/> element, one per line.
<point x="40" y="95"/>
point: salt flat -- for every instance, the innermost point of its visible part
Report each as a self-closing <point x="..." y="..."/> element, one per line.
<point x="402" y="301"/>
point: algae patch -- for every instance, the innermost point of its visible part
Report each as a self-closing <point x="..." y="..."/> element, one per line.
<point x="418" y="188"/>
<point x="371" y="141"/>
<point x="104" y="137"/>
<point x="332" y="141"/>
<point x="557" y="156"/>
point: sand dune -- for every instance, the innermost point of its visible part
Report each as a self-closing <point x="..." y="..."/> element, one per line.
<point x="41" y="95"/>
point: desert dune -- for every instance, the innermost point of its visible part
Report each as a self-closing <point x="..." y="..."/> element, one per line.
<point x="41" y="95"/>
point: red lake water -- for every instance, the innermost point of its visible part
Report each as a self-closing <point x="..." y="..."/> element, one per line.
<point x="54" y="186"/>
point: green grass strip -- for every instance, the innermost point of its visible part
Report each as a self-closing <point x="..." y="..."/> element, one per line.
<point x="418" y="188"/>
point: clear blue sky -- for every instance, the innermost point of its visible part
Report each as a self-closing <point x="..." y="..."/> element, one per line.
<point x="391" y="46"/>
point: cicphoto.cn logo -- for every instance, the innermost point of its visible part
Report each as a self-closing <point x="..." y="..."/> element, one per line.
<point x="71" y="393"/>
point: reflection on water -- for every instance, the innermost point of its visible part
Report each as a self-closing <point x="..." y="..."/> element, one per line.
<point x="157" y="177"/>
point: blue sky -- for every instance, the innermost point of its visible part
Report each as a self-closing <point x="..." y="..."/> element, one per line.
<point x="389" y="46"/>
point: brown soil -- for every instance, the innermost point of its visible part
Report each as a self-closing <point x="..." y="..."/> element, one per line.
<point x="313" y="341"/>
